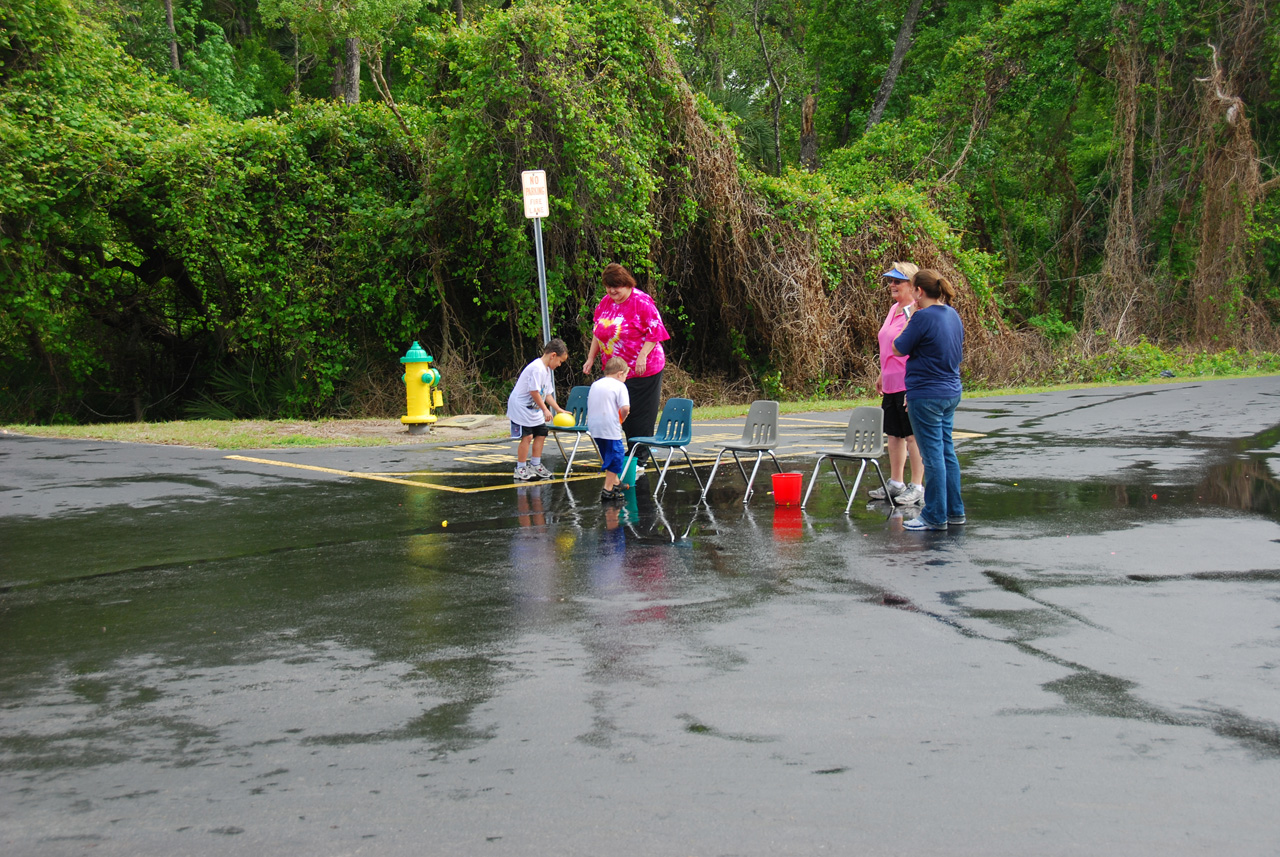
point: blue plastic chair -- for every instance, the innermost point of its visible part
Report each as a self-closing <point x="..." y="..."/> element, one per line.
<point x="863" y="442"/>
<point x="576" y="405"/>
<point x="759" y="435"/>
<point x="675" y="431"/>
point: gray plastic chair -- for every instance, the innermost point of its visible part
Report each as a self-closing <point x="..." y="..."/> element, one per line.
<point x="864" y="442"/>
<point x="759" y="435"/>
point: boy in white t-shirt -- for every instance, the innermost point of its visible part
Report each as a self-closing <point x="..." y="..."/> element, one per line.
<point x="608" y="404"/>
<point x="529" y="409"/>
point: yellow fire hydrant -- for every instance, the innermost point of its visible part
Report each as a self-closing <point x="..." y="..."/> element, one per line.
<point x="420" y="387"/>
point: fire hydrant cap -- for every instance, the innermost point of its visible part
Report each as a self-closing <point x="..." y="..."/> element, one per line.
<point x="415" y="354"/>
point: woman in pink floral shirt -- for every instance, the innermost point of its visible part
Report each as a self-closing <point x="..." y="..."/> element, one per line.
<point x="627" y="324"/>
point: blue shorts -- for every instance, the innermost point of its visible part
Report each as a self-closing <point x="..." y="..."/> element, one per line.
<point x="613" y="454"/>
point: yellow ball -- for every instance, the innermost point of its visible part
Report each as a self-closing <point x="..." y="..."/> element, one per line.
<point x="563" y="420"/>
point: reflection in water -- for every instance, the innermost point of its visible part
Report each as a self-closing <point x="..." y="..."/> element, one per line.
<point x="1244" y="483"/>
<point x="318" y="649"/>
<point x="534" y="555"/>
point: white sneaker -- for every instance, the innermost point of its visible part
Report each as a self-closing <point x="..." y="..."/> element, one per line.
<point x="524" y="473"/>
<point x="894" y="491"/>
<point x="542" y="472"/>
<point x="911" y="496"/>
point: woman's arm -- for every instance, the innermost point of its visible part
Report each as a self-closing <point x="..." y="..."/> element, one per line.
<point x="642" y="359"/>
<point x="591" y="356"/>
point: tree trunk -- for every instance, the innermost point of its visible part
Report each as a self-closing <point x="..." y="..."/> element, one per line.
<point x="173" y="35"/>
<point x="777" y="90"/>
<point x="905" y="34"/>
<point x="337" y="86"/>
<point x="457" y="11"/>
<point x="351" y="72"/>
<point x="808" y="136"/>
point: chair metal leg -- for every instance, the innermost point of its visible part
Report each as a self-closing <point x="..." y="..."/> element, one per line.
<point x="665" y="467"/>
<point x="712" y="477"/>
<point x="893" y="504"/>
<point x="630" y="457"/>
<point x="835" y="465"/>
<point x="569" y="466"/>
<point x="555" y="435"/>
<point x="738" y="461"/>
<point x="692" y="469"/>
<point x="746" y="497"/>
<point x="776" y="465"/>
<point x="813" y="480"/>
<point x="862" y="467"/>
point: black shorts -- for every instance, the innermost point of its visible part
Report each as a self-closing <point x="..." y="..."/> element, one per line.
<point x="896" y="421"/>
<point x="518" y="430"/>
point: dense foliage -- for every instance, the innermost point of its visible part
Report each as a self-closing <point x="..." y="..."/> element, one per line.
<point x="255" y="210"/>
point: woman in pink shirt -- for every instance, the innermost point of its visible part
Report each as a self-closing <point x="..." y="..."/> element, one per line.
<point x="628" y="325"/>
<point x="891" y="384"/>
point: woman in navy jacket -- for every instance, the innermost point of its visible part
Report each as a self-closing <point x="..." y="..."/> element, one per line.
<point x="934" y="340"/>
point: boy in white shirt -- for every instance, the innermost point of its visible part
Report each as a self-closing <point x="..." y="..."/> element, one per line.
<point x="529" y="409"/>
<point x="608" y="404"/>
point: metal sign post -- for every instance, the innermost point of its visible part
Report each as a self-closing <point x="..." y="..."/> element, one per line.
<point x="536" y="207"/>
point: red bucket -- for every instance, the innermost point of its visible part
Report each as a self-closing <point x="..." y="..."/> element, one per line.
<point x="786" y="488"/>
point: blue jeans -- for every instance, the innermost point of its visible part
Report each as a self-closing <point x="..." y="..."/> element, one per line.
<point x="933" y="421"/>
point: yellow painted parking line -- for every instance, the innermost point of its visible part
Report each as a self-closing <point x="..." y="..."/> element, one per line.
<point x="409" y="482"/>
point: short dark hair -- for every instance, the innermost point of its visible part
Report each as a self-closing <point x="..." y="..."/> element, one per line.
<point x="556" y="346"/>
<point x="616" y="275"/>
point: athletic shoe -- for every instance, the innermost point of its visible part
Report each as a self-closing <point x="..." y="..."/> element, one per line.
<point x="910" y="496"/>
<point x="524" y="473"/>
<point x="955" y="520"/>
<point x="612" y="495"/>
<point x="894" y="491"/>
<point x="919" y="524"/>
<point x="542" y="472"/>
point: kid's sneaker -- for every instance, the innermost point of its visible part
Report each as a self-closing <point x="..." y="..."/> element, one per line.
<point x="524" y="473"/>
<point x="612" y="495"/>
<point x="542" y="472"/>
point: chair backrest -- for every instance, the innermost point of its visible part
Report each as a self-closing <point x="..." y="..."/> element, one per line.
<point x="675" y="426"/>
<point x="762" y="423"/>
<point x="865" y="434"/>
<point x="576" y="404"/>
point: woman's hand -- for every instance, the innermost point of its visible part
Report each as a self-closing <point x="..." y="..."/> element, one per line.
<point x="586" y="367"/>
<point x="642" y="363"/>
<point x="880" y="384"/>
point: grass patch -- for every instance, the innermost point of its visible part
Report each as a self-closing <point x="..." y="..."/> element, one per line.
<point x="267" y="434"/>
<point x="214" y="434"/>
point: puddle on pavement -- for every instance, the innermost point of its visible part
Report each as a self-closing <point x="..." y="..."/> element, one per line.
<point x="127" y="635"/>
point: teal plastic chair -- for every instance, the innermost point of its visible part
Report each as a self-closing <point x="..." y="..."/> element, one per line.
<point x="576" y="405"/>
<point x="675" y="431"/>
<point x="864" y="442"/>
<point x="759" y="435"/>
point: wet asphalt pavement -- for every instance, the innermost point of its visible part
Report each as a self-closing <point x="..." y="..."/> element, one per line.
<point x="211" y="655"/>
